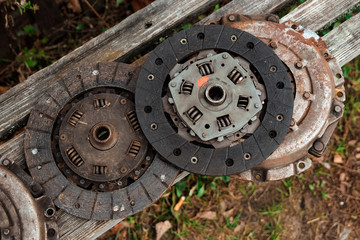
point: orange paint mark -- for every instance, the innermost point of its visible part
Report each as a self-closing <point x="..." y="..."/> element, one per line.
<point x="202" y="81"/>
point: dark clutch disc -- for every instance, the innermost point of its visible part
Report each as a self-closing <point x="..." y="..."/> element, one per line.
<point x="214" y="100"/>
<point x="85" y="147"/>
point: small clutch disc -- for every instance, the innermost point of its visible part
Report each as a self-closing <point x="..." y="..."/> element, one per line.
<point x="214" y="100"/>
<point x="84" y="146"/>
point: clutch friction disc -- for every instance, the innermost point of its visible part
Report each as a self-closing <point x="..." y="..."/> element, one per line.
<point x="85" y="147"/>
<point x="214" y="100"/>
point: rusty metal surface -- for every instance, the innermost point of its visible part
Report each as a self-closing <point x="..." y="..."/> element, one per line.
<point x="83" y="145"/>
<point x="318" y="90"/>
<point x="20" y="216"/>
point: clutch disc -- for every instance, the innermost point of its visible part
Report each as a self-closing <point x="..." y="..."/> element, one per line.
<point x="318" y="86"/>
<point x="214" y="100"/>
<point x="85" y="147"/>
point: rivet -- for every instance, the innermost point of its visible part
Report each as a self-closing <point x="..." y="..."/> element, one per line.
<point x="34" y="151"/>
<point x="95" y="72"/>
<point x="318" y="145"/>
<point x="337" y="109"/>
<point x="224" y="56"/>
<point x="148" y="158"/>
<point x="162" y="178"/>
<point x="194" y="160"/>
<point x="298" y="65"/>
<point x="292" y="122"/>
<point x="231" y="18"/>
<point x="233" y="38"/>
<point x="173" y="84"/>
<point x="123" y="101"/>
<point x="119" y="183"/>
<point x="273" y="69"/>
<point x="183" y="41"/>
<point x="123" y="170"/>
<point x="101" y="186"/>
<point x="257" y="105"/>
<point x="273" y="45"/>
<point x="279" y="117"/>
<point x="203" y="134"/>
<point x="82" y="181"/>
<point x="150" y="77"/>
<point x="132" y="202"/>
<point x="153" y="126"/>
<point x="247" y="156"/>
<point x="306" y="95"/>
<point x="116" y="208"/>
<point x="137" y="172"/>
<point x="6" y="162"/>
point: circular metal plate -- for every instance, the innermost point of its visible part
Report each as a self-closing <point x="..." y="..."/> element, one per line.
<point x="52" y="161"/>
<point x="210" y="161"/>
<point x="20" y="217"/>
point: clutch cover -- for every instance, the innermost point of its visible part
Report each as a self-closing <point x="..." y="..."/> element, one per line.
<point x="214" y="100"/>
<point x="85" y="147"/>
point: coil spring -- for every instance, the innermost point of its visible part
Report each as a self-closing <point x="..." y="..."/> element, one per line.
<point x="74" y="156"/>
<point x="134" y="149"/>
<point x="187" y="87"/>
<point x="100" y="103"/>
<point x="100" y="170"/>
<point x="75" y="118"/>
<point x="235" y="76"/>
<point x="243" y="102"/>
<point x="194" y="114"/>
<point x="206" y="68"/>
<point x="224" y="121"/>
<point x="131" y="116"/>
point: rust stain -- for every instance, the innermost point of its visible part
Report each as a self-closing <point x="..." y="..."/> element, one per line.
<point x="202" y="81"/>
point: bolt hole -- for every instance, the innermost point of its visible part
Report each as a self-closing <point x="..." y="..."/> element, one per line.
<point x="237" y="135"/>
<point x="301" y="165"/>
<point x="183" y="41"/>
<point x="102" y="133"/>
<point x="132" y="203"/>
<point x="280" y="85"/>
<point x="216" y="93"/>
<point x="338" y="75"/>
<point x="294" y="26"/>
<point x="223" y="65"/>
<point x="158" y="61"/>
<point x="51" y="233"/>
<point x="49" y="212"/>
<point x="201" y="36"/>
<point x="207" y="126"/>
<point x="339" y="94"/>
<point x="250" y="45"/>
<point x="233" y="38"/>
<point x="143" y="165"/>
<point x="150" y="77"/>
<point x="258" y="176"/>
<point x="194" y="160"/>
<point x="177" y="151"/>
<point x="147" y="109"/>
<point x="272" y="134"/>
<point x="77" y="205"/>
<point x="229" y="162"/>
<point x="273" y="69"/>
<point x="153" y="126"/>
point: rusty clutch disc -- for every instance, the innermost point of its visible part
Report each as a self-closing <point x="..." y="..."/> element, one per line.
<point x="21" y="215"/>
<point x="214" y="100"/>
<point x="85" y="147"/>
<point x="318" y="88"/>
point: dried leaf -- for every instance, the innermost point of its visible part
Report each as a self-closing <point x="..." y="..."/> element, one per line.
<point x="239" y="227"/>
<point x="210" y="215"/>
<point x="338" y="159"/>
<point x="119" y="227"/>
<point x="342" y="176"/>
<point x="229" y="213"/>
<point x="161" y="228"/>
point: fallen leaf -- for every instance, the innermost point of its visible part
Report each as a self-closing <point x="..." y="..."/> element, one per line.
<point x="74" y="5"/>
<point x="342" y="176"/>
<point x="119" y="227"/>
<point x="161" y="228"/>
<point x="229" y="213"/>
<point x="239" y="227"/>
<point x="352" y="142"/>
<point x="210" y="215"/>
<point x="338" y="159"/>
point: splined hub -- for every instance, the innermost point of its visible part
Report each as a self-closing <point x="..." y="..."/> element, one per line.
<point x="215" y="96"/>
<point x="208" y="100"/>
<point x="100" y="139"/>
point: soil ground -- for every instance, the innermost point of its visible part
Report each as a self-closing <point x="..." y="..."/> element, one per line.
<point x="322" y="203"/>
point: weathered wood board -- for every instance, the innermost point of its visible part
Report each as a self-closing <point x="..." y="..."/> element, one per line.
<point x="343" y="43"/>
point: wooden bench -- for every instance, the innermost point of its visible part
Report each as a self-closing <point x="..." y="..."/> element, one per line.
<point x="133" y="36"/>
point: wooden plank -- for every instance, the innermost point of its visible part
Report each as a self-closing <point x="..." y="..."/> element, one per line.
<point x="344" y="41"/>
<point x="322" y="11"/>
<point x="126" y="37"/>
<point x="75" y="228"/>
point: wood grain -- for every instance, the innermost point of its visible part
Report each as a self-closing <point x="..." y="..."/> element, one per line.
<point x="124" y="38"/>
<point x="343" y="42"/>
<point x="322" y="11"/>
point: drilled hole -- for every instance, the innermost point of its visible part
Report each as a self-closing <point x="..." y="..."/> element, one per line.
<point x="147" y="109"/>
<point x="272" y="134"/>
<point x="250" y="45"/>
<point x="338" y="75"/>
<point x="158" y="61"/>
<point x="207" y="126"/>
<point x="148" y="25"/>
<point x="200" y="36"/>
<point x="339" y="94"/>
<point x="301" y="165"/>
<point x="280" y="85"/>
<point x="102" y="133"/>
<point x="51" y="233"/>
<point x="229" y="162"/>
<point x="177" y="151"/>
<point x="50" y="212"/>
